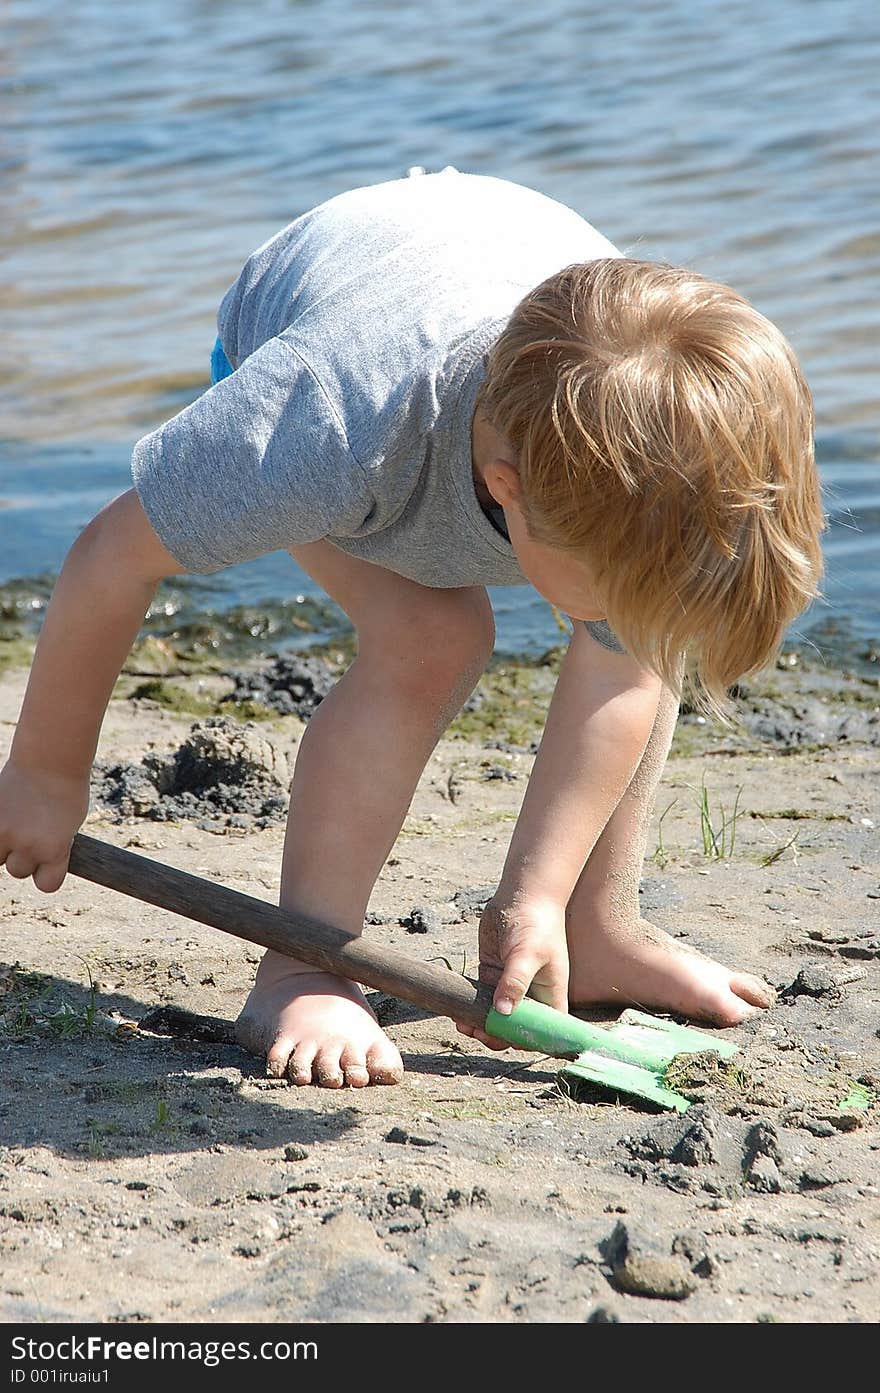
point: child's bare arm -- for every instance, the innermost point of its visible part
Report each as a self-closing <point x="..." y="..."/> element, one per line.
<point x="98" y="604"/>
<point x="598" y="726"/>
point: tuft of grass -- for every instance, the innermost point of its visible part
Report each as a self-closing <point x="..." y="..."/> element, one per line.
<point x="162" y="1115"/>
<point x="173" y="697"/>
<point x="96" y="1135"/>
<point x="660" y="857"/>
<point x="30" y="1006"/>
<point x="24" y="994"/>
<point x="95" y="1142"/>
<point x="718" y="841"/>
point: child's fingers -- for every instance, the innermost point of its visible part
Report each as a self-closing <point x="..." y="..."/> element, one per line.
<point x="475" y="1032"/>
<point x="49" y="876"/>
<point x="555" y="996"/>
<point x="20" y="864"/>
<point x="516" y="978"/>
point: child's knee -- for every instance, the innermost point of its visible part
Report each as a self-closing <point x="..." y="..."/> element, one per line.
<point x="437" y="648"/>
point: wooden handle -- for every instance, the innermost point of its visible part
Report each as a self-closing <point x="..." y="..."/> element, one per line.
<point x="333" y="950"/>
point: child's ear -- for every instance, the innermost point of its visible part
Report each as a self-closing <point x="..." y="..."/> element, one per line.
<point x="502" y="479"/>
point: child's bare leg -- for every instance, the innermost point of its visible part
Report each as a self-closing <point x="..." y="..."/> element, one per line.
<point x="420" y="653"/>
<point x="615" y="954"/>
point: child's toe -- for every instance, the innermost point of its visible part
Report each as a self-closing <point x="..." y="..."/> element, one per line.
<point x="729" y="1009"/>
<point x="299" y="1067"/>
<point x="277" y="1057"/>
<point x="384" y="1062"/>
<point x="354" y="1067"/>
<point x="752" y="989"/>
<point x="327" y="1070"/>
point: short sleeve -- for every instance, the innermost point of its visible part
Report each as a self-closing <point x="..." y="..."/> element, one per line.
<point x="601" y="631"/>
<point x="259" y="462"/>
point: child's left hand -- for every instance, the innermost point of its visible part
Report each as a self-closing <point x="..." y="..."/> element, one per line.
<point x="522" y="949"/>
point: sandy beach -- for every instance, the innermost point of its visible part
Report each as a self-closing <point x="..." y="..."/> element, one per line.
<point x="149" y="1171"/>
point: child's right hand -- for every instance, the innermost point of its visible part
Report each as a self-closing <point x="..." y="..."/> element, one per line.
<point x="40" y="813"/>
<point x="523" y="950"/>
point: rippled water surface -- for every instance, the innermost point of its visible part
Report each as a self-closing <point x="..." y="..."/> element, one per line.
<point x="147" y="148"/>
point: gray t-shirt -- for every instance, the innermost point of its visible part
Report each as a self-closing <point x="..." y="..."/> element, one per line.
<point x="358" y="336"/>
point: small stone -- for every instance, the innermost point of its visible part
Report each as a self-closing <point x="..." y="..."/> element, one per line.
<point x="295" y="1152"/>
<point x="640" y="1268"/>
<point x="812" y="981"/>
<point x="763" y="1175"/>
<point x="423" y="919"/>
<point x="816" y="1178"/>
<point x="818" y="1126"/>
<point x="762" y="1140"/>
<point x="404" y="1138"/>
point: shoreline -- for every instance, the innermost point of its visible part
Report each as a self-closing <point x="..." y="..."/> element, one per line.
<point x="182" y="633"/>
<point x="153" y="1172"/>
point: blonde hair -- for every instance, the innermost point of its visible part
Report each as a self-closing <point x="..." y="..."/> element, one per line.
<point x="664" y="432"/>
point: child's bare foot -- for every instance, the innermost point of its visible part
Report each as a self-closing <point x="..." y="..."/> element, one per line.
<point x="315" y="1027"/>
<point x="640" y="965"/>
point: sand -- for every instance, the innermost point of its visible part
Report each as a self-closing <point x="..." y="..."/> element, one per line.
<point x="148" y="1176"/>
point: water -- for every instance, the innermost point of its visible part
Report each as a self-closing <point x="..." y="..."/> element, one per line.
<point x="147" y="149"/>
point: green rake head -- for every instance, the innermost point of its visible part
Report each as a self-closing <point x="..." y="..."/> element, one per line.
<point x="630" y="1057"/>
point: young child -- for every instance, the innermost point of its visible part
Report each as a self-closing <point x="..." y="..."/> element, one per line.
<point x="398" y="406"/>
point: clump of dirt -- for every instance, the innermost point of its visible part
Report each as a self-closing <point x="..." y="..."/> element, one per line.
<point x="640" y="1267"/>
<point x="802" y="1089"/>
<point x="223" y="775"/>
<point x="290" y="685"/>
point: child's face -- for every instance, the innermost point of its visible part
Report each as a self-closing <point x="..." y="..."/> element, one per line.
<point x="561" y="578"/>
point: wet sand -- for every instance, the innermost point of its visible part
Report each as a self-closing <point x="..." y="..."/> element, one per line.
<point x="148" y="1175"/>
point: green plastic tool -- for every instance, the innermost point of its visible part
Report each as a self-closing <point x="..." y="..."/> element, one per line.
<point x="630" y="1056"/>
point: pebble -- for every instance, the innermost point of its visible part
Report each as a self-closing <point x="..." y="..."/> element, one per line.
<point x="640" y="1268"/>
<point x="763" y="1175"/>
<point x="812" y="981"/>
<point x="404" y="1138"/>
<point x="422" y="919"/>
<point x="818" y="1178"/>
